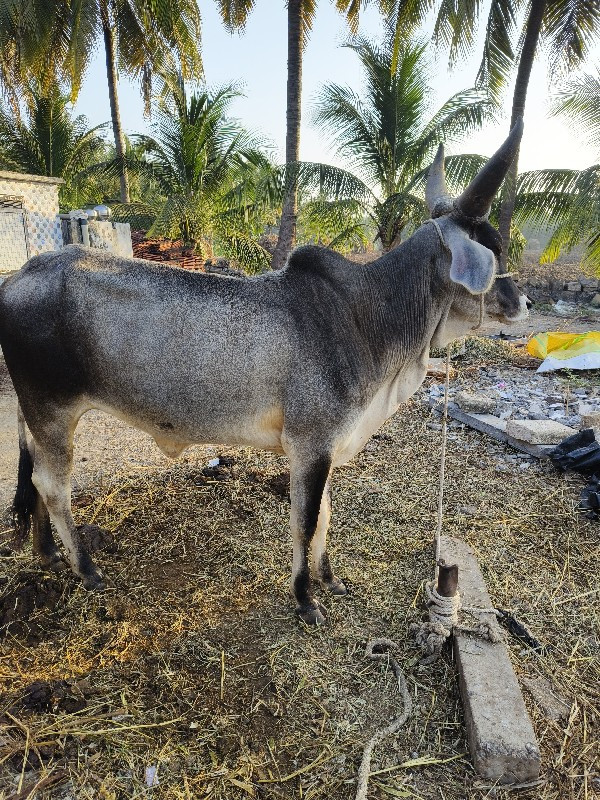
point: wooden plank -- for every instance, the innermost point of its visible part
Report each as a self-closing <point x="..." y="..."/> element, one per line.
<point x="501" y="739"/>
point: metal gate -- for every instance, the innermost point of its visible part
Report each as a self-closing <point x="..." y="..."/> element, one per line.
<point x="14" y="244"/>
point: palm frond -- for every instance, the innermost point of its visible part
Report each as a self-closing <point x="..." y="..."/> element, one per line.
<point x="246" y="251"/>
<point x="332" y="182"/>
<point x="464" y="113"/>
<point x="570" y="28"/>
<point x="498" y="55"/>
<point x="235" y="13"/>
<point x="579" y="100"/>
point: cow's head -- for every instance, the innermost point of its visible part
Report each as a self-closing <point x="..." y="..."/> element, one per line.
<point x="474" y="246"/>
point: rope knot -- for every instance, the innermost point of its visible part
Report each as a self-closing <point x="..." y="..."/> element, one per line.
<point x="442" y="610"/>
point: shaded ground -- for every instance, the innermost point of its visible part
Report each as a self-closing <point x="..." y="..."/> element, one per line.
<point x="192" y="668"/>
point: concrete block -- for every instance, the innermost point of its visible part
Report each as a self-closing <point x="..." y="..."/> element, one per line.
<point x="122" y="239"/>
<point x="589" y="284"/>
<point x="496" y="428"/>
<point x="538" y="431"/>
<point x="475" y="403"/>
<point x="573" y="286"/>
<point x="501" y="738"/>
<point x="595" y="301"/>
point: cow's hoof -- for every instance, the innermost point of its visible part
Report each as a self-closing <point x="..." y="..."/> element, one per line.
<point x="94" y="582"/>
<point x="312" y="615"/>
<point x="337" y="587"/>
<point x="53" y="562"/>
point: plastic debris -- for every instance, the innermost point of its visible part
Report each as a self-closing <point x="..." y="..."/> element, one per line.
<point x="519" y="631"/>
<point x="564" y="309"/>
<point x="580" y="453"/>
<point x="566" y="350"/>
<point x="151" y="776"/>
<point x="214" y="462"/>
<point x="589" y="499"/>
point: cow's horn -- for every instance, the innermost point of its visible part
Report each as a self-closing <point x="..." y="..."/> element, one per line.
<point x="477" y="198"/>
<point x="437" y="198"/>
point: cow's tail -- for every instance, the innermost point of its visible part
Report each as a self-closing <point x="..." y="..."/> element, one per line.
<point x="26" y="496"/>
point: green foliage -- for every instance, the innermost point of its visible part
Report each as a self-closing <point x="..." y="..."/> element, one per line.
<point x="338" y="224"/>
<point x="211" y="184"/>
<point x="569" y="29"/>
<point x="568" y="201"/>
<point x="49" y="141"/>
<point x="56" y="39"/>
<point x="388" y="136"/>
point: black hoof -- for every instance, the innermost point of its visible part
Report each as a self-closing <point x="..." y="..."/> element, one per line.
<point x="336" y="587"/>
<point x="53" y="562"/>
<point x="94" y="582"/>
<point x="312" y="615"/>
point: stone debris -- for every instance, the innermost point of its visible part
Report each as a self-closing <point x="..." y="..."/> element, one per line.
<point x="436" y="367"/>
<point x="538" y="431"/>
<point x="589" y="418"/>
<point x="564" y="309"/>
<point x="551" y="704"/>
<point x="521" y="394"/>
<point x="475" y="403"/>
<point x="515" y="394"/>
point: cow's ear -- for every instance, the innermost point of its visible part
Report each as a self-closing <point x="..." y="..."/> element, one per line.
<point x="473" y="264"/>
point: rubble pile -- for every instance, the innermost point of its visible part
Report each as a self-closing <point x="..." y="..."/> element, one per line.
<point x="520" y="394"/>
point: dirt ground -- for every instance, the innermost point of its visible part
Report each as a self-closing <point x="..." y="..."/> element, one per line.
<point x="190" y="677"/>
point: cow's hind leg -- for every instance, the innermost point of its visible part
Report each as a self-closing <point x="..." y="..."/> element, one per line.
<point x="321" y="566"/>
<point x="52" y="479"/>
<point x="29" y="511"/>
<point x="307" y="484"/>
<point x="43" y="540"/>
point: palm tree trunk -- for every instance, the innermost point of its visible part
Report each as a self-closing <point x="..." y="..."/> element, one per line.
<point x="287" y="224"/>
<point x="111" y="74"/>
<point x="509" y="193"/>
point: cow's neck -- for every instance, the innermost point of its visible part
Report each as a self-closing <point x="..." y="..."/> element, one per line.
<point x="409" y="307"/>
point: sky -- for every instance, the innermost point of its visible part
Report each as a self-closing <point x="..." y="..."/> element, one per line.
<point x="257" y="60"/>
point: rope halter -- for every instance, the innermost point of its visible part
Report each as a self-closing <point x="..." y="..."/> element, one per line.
<point x="444" y="244"/>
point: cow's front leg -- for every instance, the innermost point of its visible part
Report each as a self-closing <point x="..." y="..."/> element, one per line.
<point x="307" y="484"/>
<point x="321" y="566"/>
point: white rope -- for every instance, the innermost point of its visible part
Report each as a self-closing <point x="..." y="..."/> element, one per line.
<point x="443" y="611"/>
<point x="436" y="225"/>
<point x="395" y="724"/>
<point x="440" y="508"/>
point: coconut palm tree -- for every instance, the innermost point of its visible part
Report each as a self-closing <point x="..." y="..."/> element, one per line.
<point x="387" y="136"/>
<point x="58" y="37"/>
<point x="300" y="16"/>
<point x="568" y="201"/>
<point x="49" y="141"/>
<point x="566" y="28"/>
<point x="213" y="186"/>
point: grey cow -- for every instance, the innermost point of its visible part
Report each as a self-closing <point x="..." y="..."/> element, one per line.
<point x="308" y="361"/>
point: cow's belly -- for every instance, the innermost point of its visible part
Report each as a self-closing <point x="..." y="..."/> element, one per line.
<point x="382" y="407"/>
<point x="173" y="435"/>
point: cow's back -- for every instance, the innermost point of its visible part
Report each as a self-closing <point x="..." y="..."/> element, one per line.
<point x="158" y="346"/>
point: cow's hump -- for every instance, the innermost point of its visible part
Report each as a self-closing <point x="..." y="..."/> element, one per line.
<point x="319" y="260"/>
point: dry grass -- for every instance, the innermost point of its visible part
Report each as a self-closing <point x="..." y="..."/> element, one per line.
<point x="192" y="661"/>
<point x="480" y="351"/>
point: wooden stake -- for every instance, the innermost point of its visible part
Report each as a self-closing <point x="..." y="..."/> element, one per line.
<point x="447" y="583"/>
